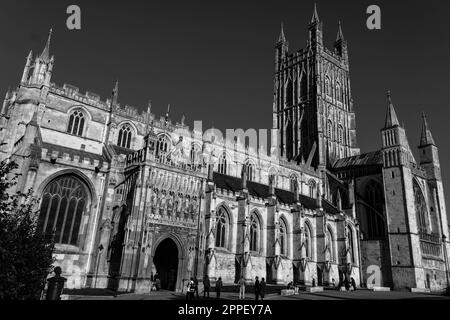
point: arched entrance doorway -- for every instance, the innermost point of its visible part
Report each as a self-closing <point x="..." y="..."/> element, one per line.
<point x="166" y="263"/>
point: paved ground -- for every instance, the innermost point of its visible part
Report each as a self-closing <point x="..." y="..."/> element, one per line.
<point x="326" y="295"/>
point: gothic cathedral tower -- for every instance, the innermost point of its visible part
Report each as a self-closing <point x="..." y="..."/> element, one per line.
<point x="313" y="107"/>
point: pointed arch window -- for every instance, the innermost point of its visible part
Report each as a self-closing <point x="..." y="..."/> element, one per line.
<point x="293" y="184"/>
<point x="329" y="129"/>
<point x="64" y="202"/>
<point x="308" y="242"/>
<point x="195" y="155"/>
<point x="222" y="227"/>
<point x="273" y="175"/>
<point x="341" y="134"/>
<point x="330" y="244"/>
<point x="328" y="87"/>
<point x="375" y="222"/>
<point x="222" y="165"/>
<point x="125" y="135"/>
<point x="282" y="237"/>
<point x="423" y="221"/>
<point x="250" y="170"/>
<point x="312" y="188"/>
<point x="77" y="121"/>
<point x="289" y="93"/>
<point x="254" y="232"/>
<point x="163" y="144"/>
<point x="338" y="92"/>
<point x="303" y="84"/>
<point x="350" y="244"/>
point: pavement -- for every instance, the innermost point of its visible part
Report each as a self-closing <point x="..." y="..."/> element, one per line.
<point x="325" y="295"/>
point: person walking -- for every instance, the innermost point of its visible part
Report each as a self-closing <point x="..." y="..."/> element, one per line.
<point x="206" y="286"/>
<point x="262" y="288"/>
<point x="219" y="285"/>
<point x="257" y="288"/>
<point x="241" y="284"/>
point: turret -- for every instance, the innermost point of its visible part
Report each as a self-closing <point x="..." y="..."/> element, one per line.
<point x="340" y="45"/>
<point x="112" y="106"/>
<point x="395" y="148"/>
<point x="26" y="70"/>
<point x="315" y="30"/>
<point x="281" y="49"/>
<point x="43" y="66"/>
<point x="428" y="151"/>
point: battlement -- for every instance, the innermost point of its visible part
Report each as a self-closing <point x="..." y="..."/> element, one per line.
<point x="72" y="92"/>
<point x="80" y="159"/>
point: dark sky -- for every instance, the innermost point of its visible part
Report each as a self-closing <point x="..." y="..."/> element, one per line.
<point x="214" y="60"/>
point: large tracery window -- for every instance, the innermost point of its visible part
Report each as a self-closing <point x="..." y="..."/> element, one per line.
<point x="423" y="221"/>
<point x="375" y="201"/>
<point x="282" y="237"/>
<point x="222" y="226"/>
<point x="76" y="123"/>
<point x="124" y="137"/>
<point x="254" y="232"/>
<point x="64" y="202"/>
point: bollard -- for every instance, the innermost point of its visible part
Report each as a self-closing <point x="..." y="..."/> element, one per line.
<point x="55" y="285"/>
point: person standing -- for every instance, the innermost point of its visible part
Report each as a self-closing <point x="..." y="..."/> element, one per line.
<point x="353" y="283"/>
<point x="257" y="288"/>
<point x="206" y="286"/>
<point x="262" y="289"/>
<point x="219" y="285"/>
<point x="196" y="287"/>
<point x="190" y="290"/>
<point x="241" y="284"/>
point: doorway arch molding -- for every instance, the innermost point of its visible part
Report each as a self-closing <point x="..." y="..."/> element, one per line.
<point x="181" y="270"/>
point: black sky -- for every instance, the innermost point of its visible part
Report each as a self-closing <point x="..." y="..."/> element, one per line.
<point x="214" y="60"/>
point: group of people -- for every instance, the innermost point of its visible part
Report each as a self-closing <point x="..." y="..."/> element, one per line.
<point x="192" y="288"/>
<point x="349" y="285"/>
<point x="259" y="290"/>
<point x="156" y="282"/>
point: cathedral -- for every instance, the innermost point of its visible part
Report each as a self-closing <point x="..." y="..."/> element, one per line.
<point x="127" y="195"/>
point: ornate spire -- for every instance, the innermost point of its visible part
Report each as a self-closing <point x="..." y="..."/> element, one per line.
<point x="315" y="17"/>
<point x="115" y="94"/>
<point x="391" y="117"/>
<point x="149" y="106"/>
<point x="425" y="138"/>
<point x="167" y="114"/>
<point x="282" y="37"/>
<point x="45" y="55"/>
<point x="340" y="34"/>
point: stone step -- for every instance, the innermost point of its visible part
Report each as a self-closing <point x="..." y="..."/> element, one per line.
<point x="381" y="289"/>
<point x="420" y="290"/>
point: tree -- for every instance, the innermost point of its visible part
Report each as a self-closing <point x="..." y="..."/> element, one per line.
<point x="25" y="254"/>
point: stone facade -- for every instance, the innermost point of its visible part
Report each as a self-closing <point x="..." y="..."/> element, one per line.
<point x="127" y="195"/>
